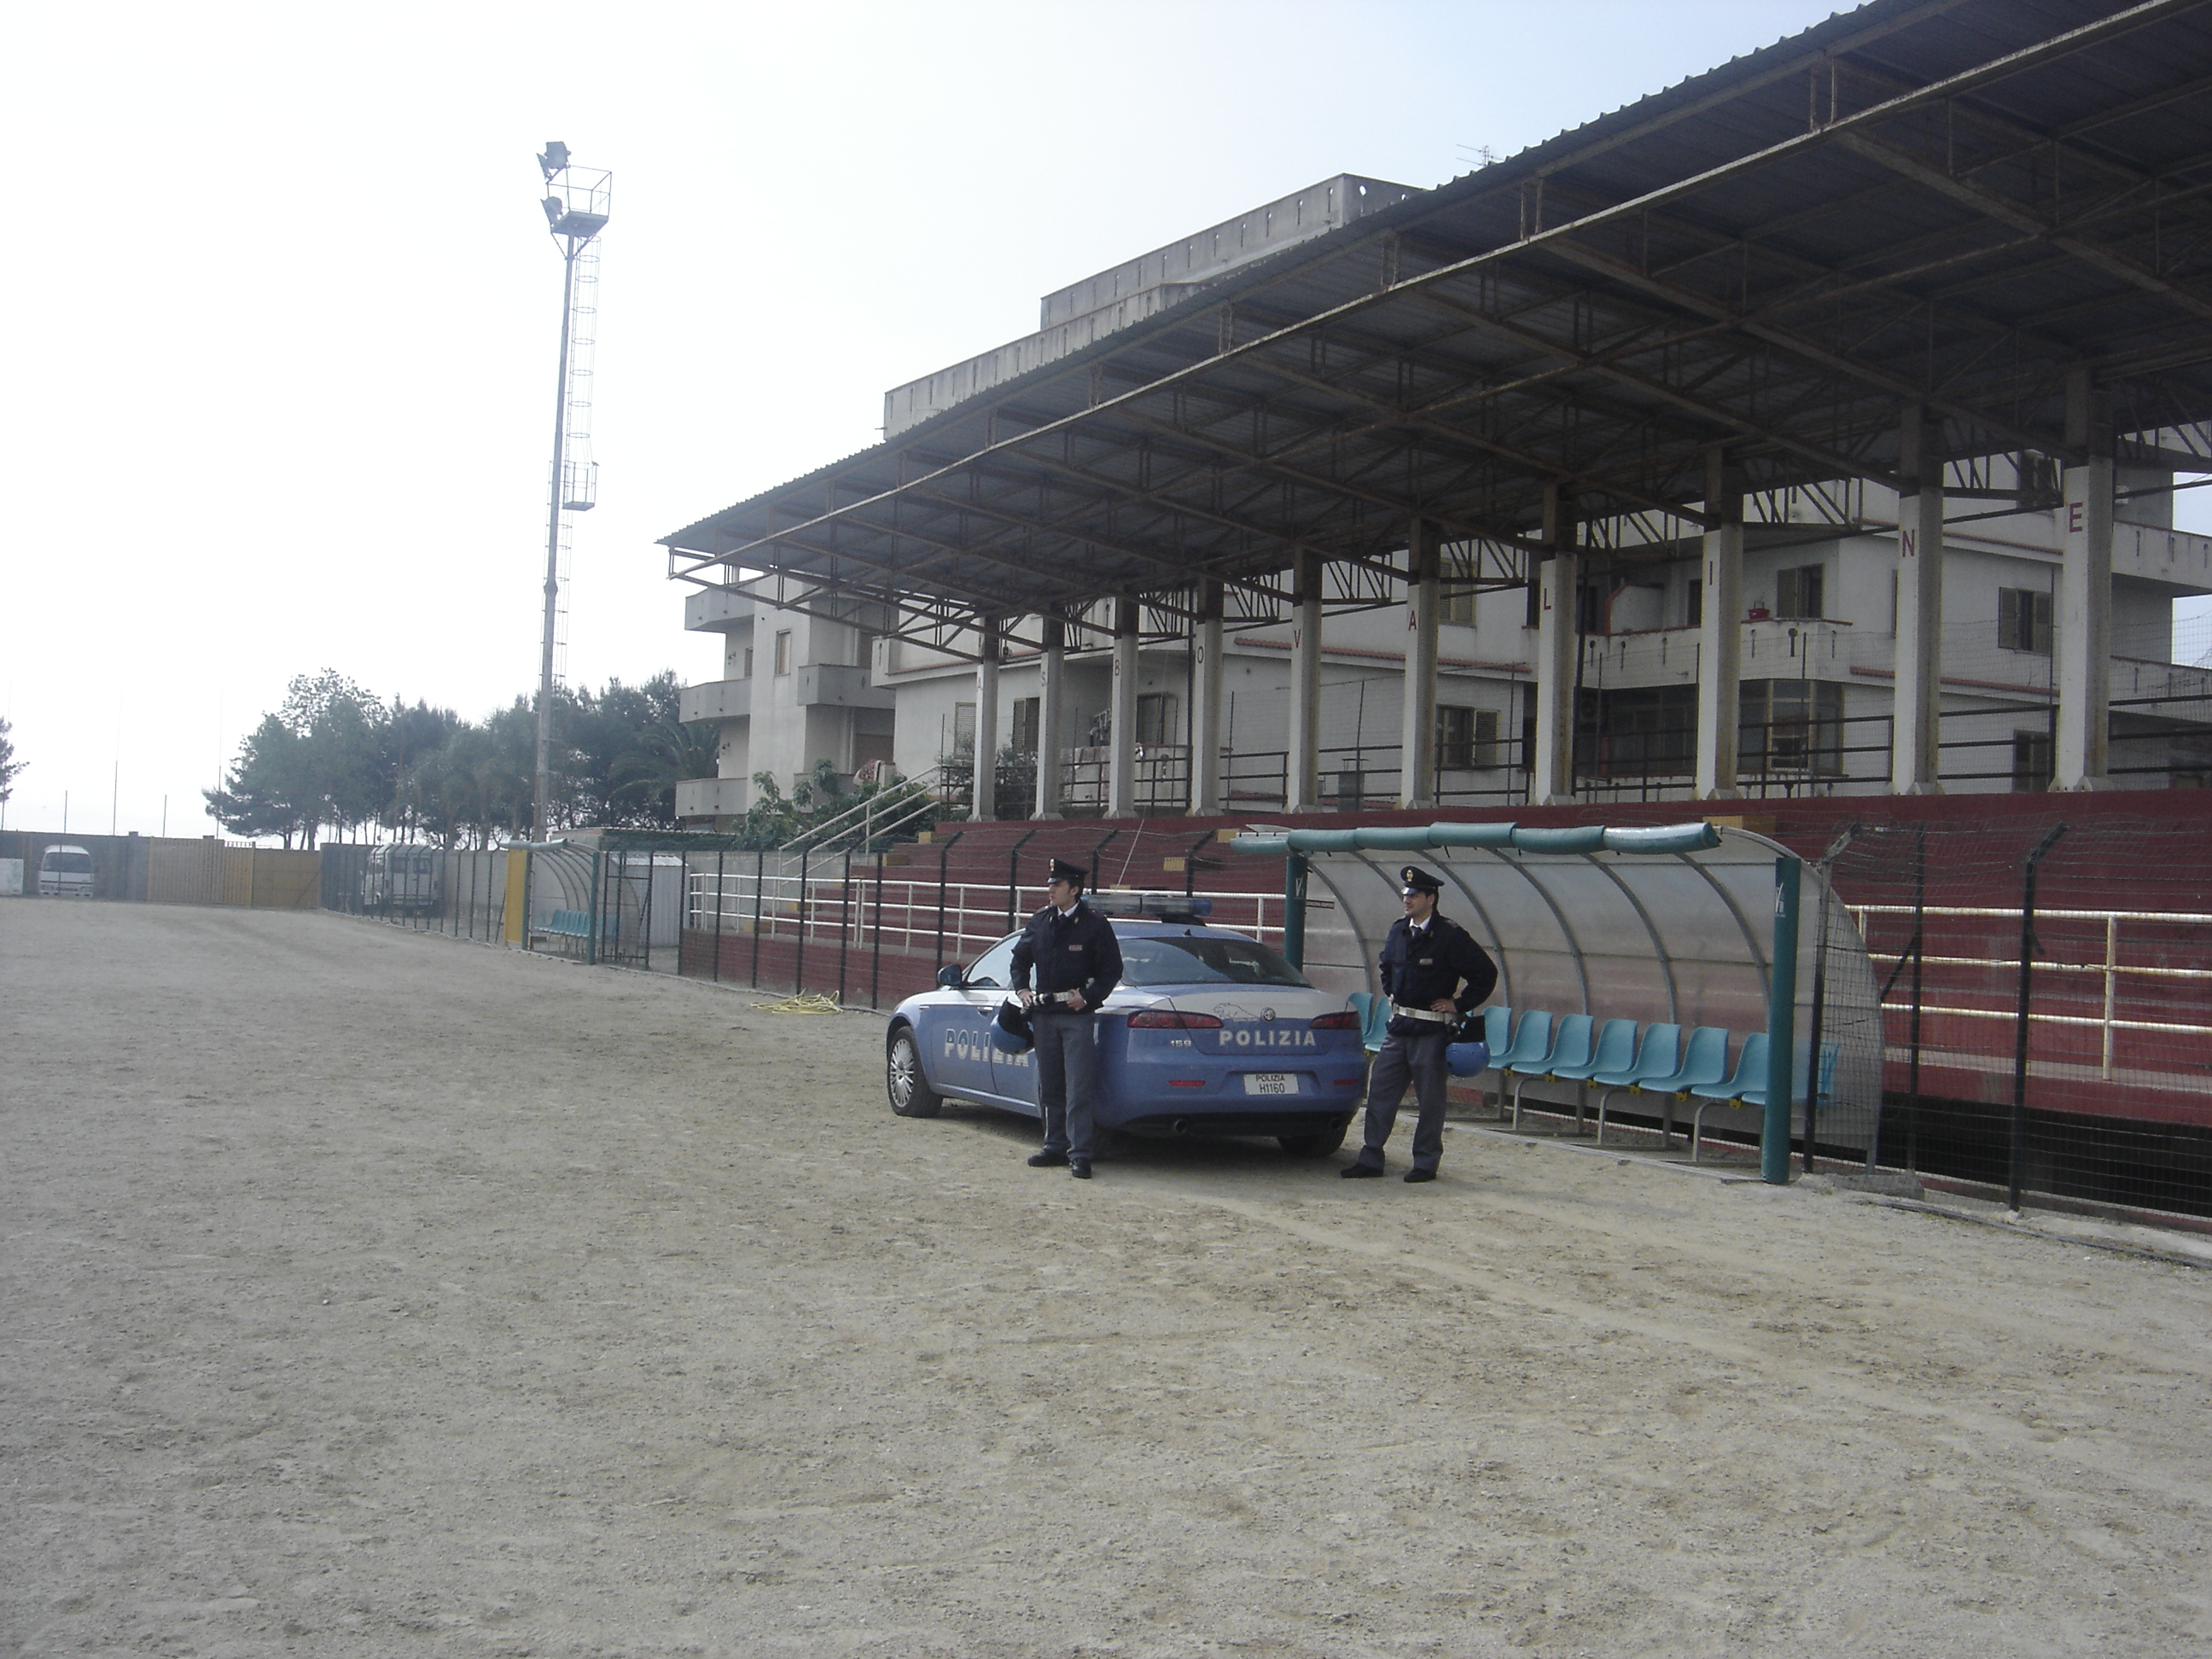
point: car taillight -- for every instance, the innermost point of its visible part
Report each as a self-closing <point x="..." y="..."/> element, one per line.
<point x="1346" y="1021"/>
<point x="1170" y="1019"/>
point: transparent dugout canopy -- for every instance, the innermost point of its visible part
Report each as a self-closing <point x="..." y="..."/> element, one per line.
<point x="1673" y="923"/>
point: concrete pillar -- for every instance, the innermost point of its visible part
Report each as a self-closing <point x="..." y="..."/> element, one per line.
<point x="1558" y="648"/>
<point x="1121" y="701"/>
<point x="1915" y="728"/>
<point x="1417" y="754"/>
<point x="1206" y="676"/>
<point x="1303" y="762"/>
<point x="1720" y="635"/>
<point x="2082" y="620"/>
<point x="987" y="720"/>
<point x="1052" y="715"/>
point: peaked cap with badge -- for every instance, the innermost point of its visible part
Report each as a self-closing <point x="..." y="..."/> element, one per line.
<point x="1414" y="880"/>
<point x="1072" y="873"/>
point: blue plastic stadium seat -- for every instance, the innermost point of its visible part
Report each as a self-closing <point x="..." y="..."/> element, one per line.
<point x="1615" y="1049"/>
<point x="1658" y="1056"/>
<point x="1570" y="1045"/>
<point x="1747" y="1089"/>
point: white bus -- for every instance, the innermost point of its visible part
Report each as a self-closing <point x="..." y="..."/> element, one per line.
<point x="65" y="871"/>
<point x="402" y="879"/>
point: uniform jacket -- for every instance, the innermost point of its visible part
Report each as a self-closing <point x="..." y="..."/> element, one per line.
<point x="1418" y="973"/>
<point x="1080" y="953"/>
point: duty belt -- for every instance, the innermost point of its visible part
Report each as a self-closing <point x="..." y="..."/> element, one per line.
<point x="1052" y="998"/>
<point x="1400" y="1008"/>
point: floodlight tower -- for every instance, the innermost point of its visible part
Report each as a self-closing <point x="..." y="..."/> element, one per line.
<point x="577" y="203"/>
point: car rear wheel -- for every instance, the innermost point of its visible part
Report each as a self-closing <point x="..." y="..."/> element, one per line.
<point x="909" y="1090"/>
<point x="1319" y="1143"/>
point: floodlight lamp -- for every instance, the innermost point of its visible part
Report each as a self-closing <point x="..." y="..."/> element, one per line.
<point x="554" y="208"/>
<point x="554" y="158"/>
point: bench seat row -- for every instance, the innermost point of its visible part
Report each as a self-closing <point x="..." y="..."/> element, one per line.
<point x="1619" y="1057"/>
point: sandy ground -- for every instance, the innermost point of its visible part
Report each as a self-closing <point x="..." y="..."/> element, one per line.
<point x="368" y="1293"/>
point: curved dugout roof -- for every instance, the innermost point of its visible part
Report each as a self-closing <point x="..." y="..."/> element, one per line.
<point x="1954" y="202"/>
<point x="1673" y="923"/>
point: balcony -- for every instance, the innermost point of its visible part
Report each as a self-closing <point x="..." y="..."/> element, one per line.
<point x="716" y="699"/>
<point x="711" y="798"/>
<point x="717" y="610"/>
<point x="839" y="685"/>
<point x="1772" y="648"/>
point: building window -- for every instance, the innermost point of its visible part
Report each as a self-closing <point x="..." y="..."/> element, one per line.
<point x="864" y="647"/>
<point x="1593" y="607"/>
<point x="1157" y="719"/>
<point x="2031" y="761"/>
<point x="783" y="652"/>
<point x="1791" y="726"/>
<point x="1644" y="732"/>
<point x="963" y="728"/>
<point x="1467" y="738"/>
<point x="1025" y="725"/>
<point x="1800" y="592"/>
<point x="1459" y="573"/>
<point x="1696" y="598"/>
<point x="749" y="662"/>
<point x="2024" y="620"/>
<point x="1535" y="616"/>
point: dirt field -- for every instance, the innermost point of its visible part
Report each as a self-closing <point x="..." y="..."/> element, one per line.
<point x="368" y="1293"/>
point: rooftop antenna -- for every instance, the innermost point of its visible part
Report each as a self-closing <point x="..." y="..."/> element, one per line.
<point x="577" y="203"/>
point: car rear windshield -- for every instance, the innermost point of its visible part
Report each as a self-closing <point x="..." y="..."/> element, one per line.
<point x="1182" y="959"/>
<point x="68" y="864"/>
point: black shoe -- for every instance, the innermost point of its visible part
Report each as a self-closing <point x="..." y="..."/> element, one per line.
<point x="1080" y="1168"/>
<point x="1047" y="1160"/>
<point x="1361" y="1172"/>
<point x="1420" y="1175"/>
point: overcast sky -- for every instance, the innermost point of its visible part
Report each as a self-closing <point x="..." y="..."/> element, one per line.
<point x="280" y="393"/>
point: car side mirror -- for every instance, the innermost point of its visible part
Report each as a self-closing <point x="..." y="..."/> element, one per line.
<point x="951" y="976"/>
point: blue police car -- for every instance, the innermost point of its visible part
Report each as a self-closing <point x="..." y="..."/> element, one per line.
<point x="1209" y="1033"/>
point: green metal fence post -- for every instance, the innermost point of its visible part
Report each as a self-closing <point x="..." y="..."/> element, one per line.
<point x="591" y="939"/>
<point x="1294" y="909"/>
<point x="1781" y="1024"/>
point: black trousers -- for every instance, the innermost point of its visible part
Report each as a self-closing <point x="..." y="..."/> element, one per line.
<point x="1420" y="1061"/>
<point x="1067" y="1078"/>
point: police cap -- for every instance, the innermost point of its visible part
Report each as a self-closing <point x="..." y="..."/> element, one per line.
<point x="1063" y="871"/>
<point x="1414" y="880"/>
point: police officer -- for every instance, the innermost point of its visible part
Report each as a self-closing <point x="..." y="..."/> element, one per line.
<point x="1433" y="972"/>
<point x="1077" y="961"/>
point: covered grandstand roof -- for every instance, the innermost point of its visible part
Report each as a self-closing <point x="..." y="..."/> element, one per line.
<point x="1953" y="203"/>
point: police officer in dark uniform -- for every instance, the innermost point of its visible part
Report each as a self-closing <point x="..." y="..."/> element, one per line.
<point x="1077" y="961"/>
<point x="1433" y="972"/>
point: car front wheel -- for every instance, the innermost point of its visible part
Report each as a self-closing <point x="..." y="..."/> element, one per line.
<point x="1319" y="1143"/>
<point x="909" y="1090"/>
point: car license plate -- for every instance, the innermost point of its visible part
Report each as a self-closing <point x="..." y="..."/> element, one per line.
<point x="1270" y="1083"/>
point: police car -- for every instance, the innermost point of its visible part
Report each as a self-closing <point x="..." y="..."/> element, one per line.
<point x="1209" y="1033"/>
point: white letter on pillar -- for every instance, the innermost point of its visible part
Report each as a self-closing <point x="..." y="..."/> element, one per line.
<point x="1557" y="642"/>
<point x="1051" y="715"/>
<point x="986" y="722"/>
<point x="2081" y="630"/>
<point x="1206" y="704"/>
<point x="1917" y="705"/>
<point x="1121" y="702"/>
<point x="1417" y="777"/>
<point x="1720" y="637"/>
<point x="1303" y="762"/>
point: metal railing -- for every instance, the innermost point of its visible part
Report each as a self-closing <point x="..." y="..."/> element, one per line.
<point x="910" y="914"/>
<point x="880" y="812"/>
<point x="2111" y="971"/>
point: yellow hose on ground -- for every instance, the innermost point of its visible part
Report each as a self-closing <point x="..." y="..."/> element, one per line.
<point x="814" y="1002"/>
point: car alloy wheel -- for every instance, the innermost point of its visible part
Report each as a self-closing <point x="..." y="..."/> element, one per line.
<point x="909" y="1090"/>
